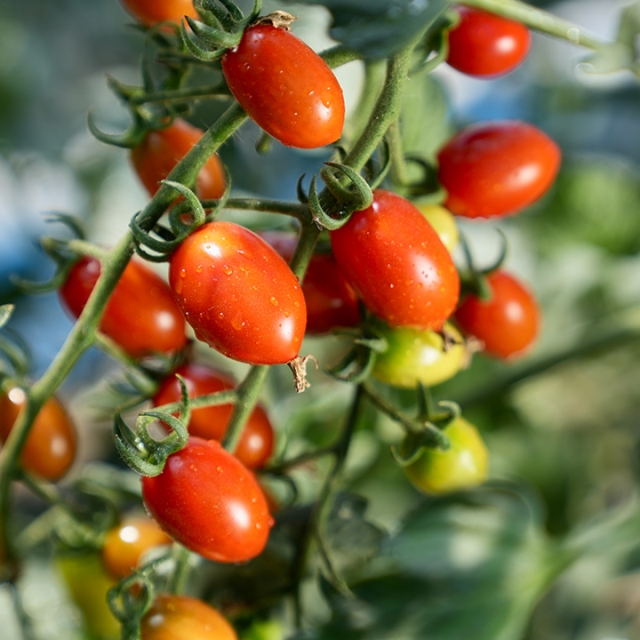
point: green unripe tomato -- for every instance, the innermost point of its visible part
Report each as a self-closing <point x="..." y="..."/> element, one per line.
<point x="263" y="630"/>
<point x="464" y="464"/>
<point x="443" y="223"/>
<point x="415" y="356"/>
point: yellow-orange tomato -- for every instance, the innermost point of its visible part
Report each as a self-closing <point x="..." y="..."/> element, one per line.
<point x="160" y="151"/>
<point x="51" y="445"/>
<point x="152" y="11"/>
<point x="181" y="618"/>
<point x="126" y="543"/>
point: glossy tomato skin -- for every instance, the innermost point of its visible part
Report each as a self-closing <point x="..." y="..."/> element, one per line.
<point x="238" y="294"/>
<point x="141" y="315"/>
<point x="507" y="323"/>
<point x="208" y="501"/>
<point x="397" y="264"/>
<point x="416" y="356"/>
<point x="127" y="542"/>
<point x="173" y="617"/>
<point x="51" y="445"/>
<point x="486" y="45"/>
<point x="497" y="168"/>
<point x="160" y="151"/>
<point x="330" y="299"/>
<point x="464" y="464"/>
<point x="210" y="423"/>
<point x="285" y="87"/>
<point x="152" y="11"/>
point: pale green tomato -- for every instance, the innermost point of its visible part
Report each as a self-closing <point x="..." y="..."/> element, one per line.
<point x="263" y="630"/>
<point x="416" y="355"/>
<point x="464" y="464"/>
<point x="443" y="223"/>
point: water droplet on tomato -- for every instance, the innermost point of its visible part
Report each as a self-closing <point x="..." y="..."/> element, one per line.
<point x="227" y="270"/>
<point x="274" y="301"/>
<point x="199" y="268"/>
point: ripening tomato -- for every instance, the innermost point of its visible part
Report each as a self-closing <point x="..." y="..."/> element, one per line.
<point x="173" y="617"/>
<point x="443" y="223"/>
<point x="397" y="264"/>
<point x="497" y="168"/>
<point x="507" y="323"/>
<point x="238" y="294"/>
<point x="152" y="11"/>
<point x="285" y="87"/>
<point x="331" y="300"/>
<point x="486" y="45"/>
<point x="208" y="501"/>
<point x="160" y="151"/>
<point x="141" y="315"/>
<point x="51" y="444"/>
<point x="415" y="356"/>
<point x="464" y="464"/>
<point x="127" y="542"/>
<point x="88" y="583"/>
<point x="210" y="423"/>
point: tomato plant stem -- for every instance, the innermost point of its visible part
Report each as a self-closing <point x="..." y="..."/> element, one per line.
<point x="535" y="18"/>
<point x="178" y="579"/>
<point x="253" y="204"/>
<point x="436" y="437"/>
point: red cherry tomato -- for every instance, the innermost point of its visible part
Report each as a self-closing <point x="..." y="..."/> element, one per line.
<point x="209" y="502"/>
<point x="484" y="44"/>
<point x="126" y="543"/>
<point x="397" y="263"/>
<point x="174" y="617"/>
<point x="285" y="87"/>
<point x="210" y="423"/>
<point x="238" y="294"/>
<point x="497" y="168"/>
<point x="51" y="444"/>
<point x="507" y="323"/>
<point x="331" y="300"/>
<point x="160" y="151"/>
<point x="141" y="315"/>
<point x="151" y="11"/>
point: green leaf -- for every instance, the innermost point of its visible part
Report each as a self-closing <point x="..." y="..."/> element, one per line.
<point x="379" y="28"/>
<point x="349" y="538"/>
<point x="466" y="565"/>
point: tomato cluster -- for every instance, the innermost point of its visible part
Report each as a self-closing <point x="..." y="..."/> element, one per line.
<point x="383" y="275"/>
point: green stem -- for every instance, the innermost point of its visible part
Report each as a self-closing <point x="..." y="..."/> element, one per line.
<point x="339" y="55"/>
<point x="399" y="171"/>
<point x="386" y="110"/>
<point x="211" y="92"/>
<point x="247" y="397"/>
<point x="542" y="21"/>
<point x="178" y="580"/>
<point x="438" y="438"/>
<point x="293" y="209"/>
<point x="374" y="74"/>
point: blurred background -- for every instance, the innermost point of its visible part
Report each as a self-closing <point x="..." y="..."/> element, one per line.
<point x="570" y="434"/>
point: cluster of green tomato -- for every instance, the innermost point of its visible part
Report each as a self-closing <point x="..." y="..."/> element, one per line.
<point x="390" y="265"/>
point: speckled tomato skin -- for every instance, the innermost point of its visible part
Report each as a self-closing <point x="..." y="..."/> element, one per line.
<point x="210" y="502"/>
<point x="238" y="294"/>
<point x="285" y="87"/>
<point x="397" y="264"/>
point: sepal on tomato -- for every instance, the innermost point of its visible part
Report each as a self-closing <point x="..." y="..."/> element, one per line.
<point x="139" y="450"/>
